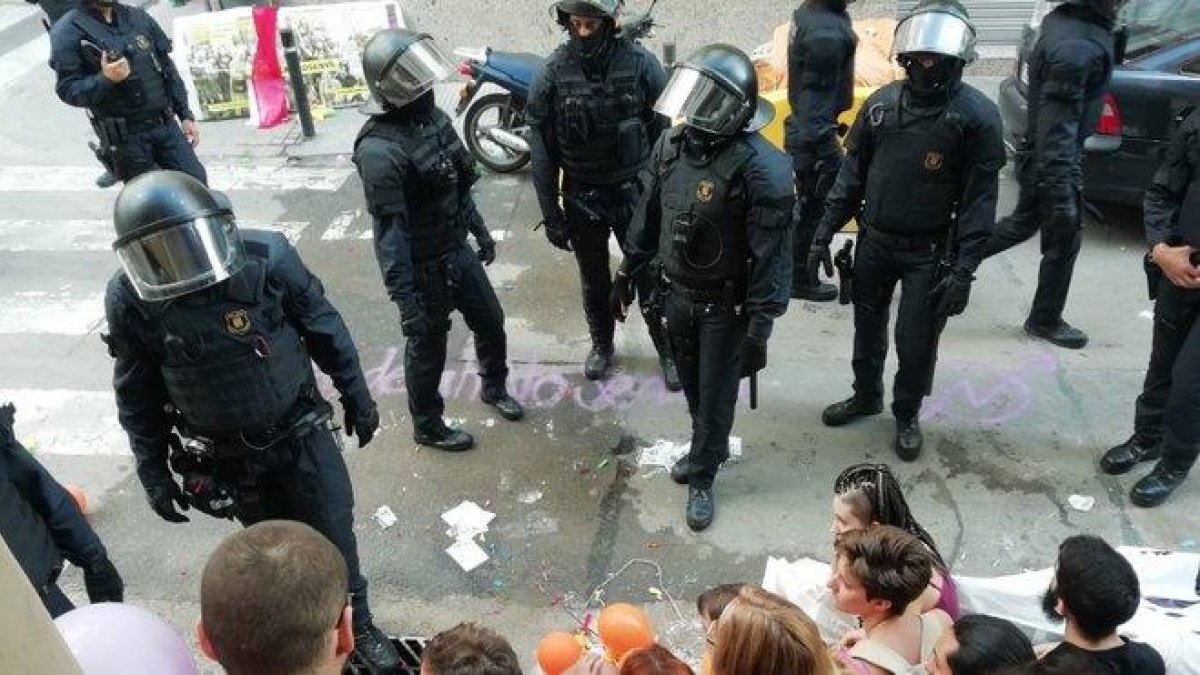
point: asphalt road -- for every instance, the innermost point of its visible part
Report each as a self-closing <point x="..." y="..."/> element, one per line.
<point x="1013" y="426"/>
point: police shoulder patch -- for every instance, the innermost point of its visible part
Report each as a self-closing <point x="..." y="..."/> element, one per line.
<point x="237" y="321"/>
<point x="704" y="190"/>
<point x="142" y="42"/>
<point x="933" y="160"/>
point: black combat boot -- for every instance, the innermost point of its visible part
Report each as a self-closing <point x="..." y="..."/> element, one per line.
<point x="814" y="291"/>
<point x="701" y="508"/>
<point x="1062" y="334"/>
<point x="844" y="412"/>
<point x="908" y="438"/>
<point x="444" y="438"/>
<point x="374" y="648"/>
<point x="1154" y="488"/>
<point x="1121" y="458"/>
<point x="598" y="362"/>
<point x="506" y="405"/>
<point x="681" y="470"/>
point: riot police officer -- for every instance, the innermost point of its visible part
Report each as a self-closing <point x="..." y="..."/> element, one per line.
<point x="417" y="177"/>
<point x="115" y="61"/>
<point x="716" y="210"/>
<point x="1069" y="70"/>
<point x="1167" y="417"/>
<point x="820" y="87"/>
<point x="591" y="110"/>
<point x="214" y="331"/>
<point x="922" y="160"/>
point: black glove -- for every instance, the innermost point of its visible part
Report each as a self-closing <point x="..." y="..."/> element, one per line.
<point x="102" y="582"/>
<point x="819" y="258"/>
<point x="951" y="294"/>
<point x="622" y="295"/>
<point x="487" y="250"/>
<point x="754" y="356"/>
<point x="361" y="421"/>
<point x="1058" y="206"/>
<point x="164" y="495"/>
<point x="414" y="321"/>
<point x="556" y="230"/>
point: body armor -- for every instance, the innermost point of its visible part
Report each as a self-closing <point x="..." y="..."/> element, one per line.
<point x="599" y="124"/>
<point x="703" y="240"/>
<point x="824" y="93"/>
<point x="144" y="92"/>
<point x="916" y="165"/>
<point x="442" y="173"/>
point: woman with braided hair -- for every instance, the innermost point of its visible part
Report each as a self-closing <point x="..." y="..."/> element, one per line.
<point x="869" y="494"/>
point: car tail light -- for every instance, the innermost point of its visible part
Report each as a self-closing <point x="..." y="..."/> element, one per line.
<point x="1110" y="117"/>
<point x="465" y="69"/>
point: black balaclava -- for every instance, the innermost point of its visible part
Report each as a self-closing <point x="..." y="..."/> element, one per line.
<point x="420" y="109"/>
<point x="592" y="50"/>
<point x="700" y="144"/>
<point x="836" y="6"/>
<point x="936" y="81"/>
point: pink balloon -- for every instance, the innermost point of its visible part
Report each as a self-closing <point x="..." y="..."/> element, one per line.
<point x="112" y="638"/>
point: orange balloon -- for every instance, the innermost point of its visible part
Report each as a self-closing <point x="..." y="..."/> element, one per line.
<point x="78" y="495"/>
<point x="557" y="652"/>
<point x="624" y="627"/>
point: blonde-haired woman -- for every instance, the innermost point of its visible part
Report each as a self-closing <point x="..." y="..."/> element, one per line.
<point x="761" y="633"/>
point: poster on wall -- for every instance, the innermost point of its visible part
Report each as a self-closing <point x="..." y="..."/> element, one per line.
<point x="215" y="54"/>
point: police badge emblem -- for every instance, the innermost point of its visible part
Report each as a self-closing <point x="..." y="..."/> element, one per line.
<point x="933" y="160"/>
<point x="237" y="321"/>
<point x="704" y="191"/>
<point x="142" y="42"/>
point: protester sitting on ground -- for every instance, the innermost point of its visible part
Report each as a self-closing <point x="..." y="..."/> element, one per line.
<point x="1096" y="590"/>
<point x="763" y="634"/>
<point x="711" y="603"/>
<point x="978" y="644"/>
<point x="273" y="602"/>
<point x="653" y="660"/>
<point x="878" y="572"/>
<point x="469" y="649"/>
<point x="1064" y="663"/>
<point x="867" y="494"/>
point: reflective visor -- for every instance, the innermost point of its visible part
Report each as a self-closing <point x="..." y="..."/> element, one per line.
<point x="935" y="33"/>
<point x="414" y="72"/>
<point x="701" y="102"/>
<point x="177" y="260"/>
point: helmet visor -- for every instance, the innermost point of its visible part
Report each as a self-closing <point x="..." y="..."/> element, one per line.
<point x="701" y="102"/>
<point x="183" y="258"/>
<point x="414" y="72"/>
<point x="935" y="33"/>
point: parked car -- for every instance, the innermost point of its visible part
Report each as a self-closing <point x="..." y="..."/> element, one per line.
<point x="1151" y="92"/>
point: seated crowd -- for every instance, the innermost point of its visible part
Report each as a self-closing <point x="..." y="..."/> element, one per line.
<point x="273" y="602"/>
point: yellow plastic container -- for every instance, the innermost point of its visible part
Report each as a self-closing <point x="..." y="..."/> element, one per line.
<point x="774" y="131"/>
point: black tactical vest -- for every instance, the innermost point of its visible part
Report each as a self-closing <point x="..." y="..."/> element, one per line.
<point x="602" y="137"/>
<point x="702" y="242"/>
<point x="229" y="358"/>
<point x="144" y="92"/>
<point x="914" y="180"/>
<point x="25" y="531"/>
<point x="440" y="177"/>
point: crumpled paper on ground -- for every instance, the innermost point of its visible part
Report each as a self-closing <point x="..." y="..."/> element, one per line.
<point x="466" y="521"/>
<point x="663" y="453"/>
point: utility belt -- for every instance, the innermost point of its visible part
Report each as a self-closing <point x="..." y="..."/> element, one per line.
<point x="116" y="130"/>
<point x="265" y="445"/>
<point x="906" y="242"/>
<point x="729" y="293"/>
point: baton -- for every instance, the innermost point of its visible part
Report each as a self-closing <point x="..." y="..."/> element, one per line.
<point x="754" y="391"/>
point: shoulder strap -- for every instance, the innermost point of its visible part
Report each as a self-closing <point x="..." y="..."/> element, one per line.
<point x="91" y="27"/>
<point x="879" y="654"/>
<point x="733" y="158"/>
<point x="388" y="132"/>
<point x="931" y="630"/>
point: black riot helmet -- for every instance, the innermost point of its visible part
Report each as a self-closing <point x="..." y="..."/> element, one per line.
<point x="1105" y="8"/>
<point x="400" y="66"/>
<point x="174" y="235"/>
<point x="716" y="91"/>
<point x="937" y="30"/>
<point x="594" y="9"/>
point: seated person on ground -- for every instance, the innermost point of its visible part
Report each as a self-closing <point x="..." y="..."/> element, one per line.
<point x="273" y="602"/>
<point x="878" y="573"/>
<point x="711" y="603"/>
<point x="869" y="494"/>
<point x="978" y="644"/>
<point x="1096" y="590"/>
<point x="469" y="649"/>
<point x="763" y="634"/>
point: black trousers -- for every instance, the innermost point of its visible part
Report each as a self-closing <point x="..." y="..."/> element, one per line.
<point x="877" y="270"/>
<point x="457" y="281"/>
<point x="1168" y="409"/>
<point x="815" y="173"/>
<point x="706" y="339"/>
<point x="1060" y="247"/>
<point x="593" y="212"/>
<point x="314" y="489"/>
<point x="161" y="147"/>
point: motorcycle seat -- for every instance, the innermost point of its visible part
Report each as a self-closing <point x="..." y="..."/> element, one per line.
<point x="517" y="65"/>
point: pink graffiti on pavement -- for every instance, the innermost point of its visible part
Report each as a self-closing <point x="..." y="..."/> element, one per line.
<point x="987" y="395"/>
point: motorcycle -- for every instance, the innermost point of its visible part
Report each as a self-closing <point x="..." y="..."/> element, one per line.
<point x="494" y="125"/>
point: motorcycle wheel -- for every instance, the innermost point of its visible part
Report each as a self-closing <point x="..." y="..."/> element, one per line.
<point x="485" y="113"/>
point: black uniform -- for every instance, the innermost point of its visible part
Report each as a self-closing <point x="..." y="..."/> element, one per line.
<point x="417" y="177"/>
<point x="925" y="174"/>
<point x="137" y="116"/>
<point x="42" y="525"/>
<point x="820" y="87"/>
<point x="594" y="122"/>
<point x="1168" y="409"/>
<point x="231" y="367"/>
<point x="55" y="9"/>
<point x="1069" y="70"/>
<point x="719" y="222"/>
